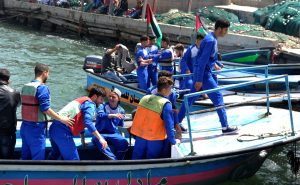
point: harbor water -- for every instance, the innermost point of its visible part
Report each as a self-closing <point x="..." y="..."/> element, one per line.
<point x="22" y="47"/>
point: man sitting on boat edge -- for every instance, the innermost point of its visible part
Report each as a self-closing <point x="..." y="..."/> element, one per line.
<point x="110" y="115"/>
<point x="153" y="124"/>
<point x="110" y="68"/>
<point x="82" y="110"/>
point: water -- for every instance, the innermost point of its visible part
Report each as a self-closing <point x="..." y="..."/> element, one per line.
<point x="22" y="47"/>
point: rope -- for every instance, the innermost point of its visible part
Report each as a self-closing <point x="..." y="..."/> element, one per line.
<point x="252" y="137"/>
<point x="234" y="104"/>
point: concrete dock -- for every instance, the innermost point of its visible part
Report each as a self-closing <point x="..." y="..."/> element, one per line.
<point x="117" y="27"/>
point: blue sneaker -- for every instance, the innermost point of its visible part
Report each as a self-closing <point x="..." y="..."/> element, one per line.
<point x="229" y="130"/>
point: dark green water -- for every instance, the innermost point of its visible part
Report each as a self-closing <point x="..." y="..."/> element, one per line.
<point x="22" y="47"/>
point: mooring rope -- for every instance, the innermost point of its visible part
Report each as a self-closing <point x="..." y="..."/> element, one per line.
<point x="253" y="137"/>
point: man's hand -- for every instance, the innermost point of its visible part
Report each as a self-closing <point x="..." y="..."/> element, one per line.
<point x="177" y="141"/>
<point x="103" y="143"/>
<point x="67" y="121"/>
<point x="198" y="86"/>
<point x="178" y="134"/>
<point x="82" y="140"/>
<point x="217" y="67"/>
<point x="120" y="116"/>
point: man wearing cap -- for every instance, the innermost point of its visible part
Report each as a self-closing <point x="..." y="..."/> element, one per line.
<point x="35" y="111"/>
<point x="152" y="68"/>
<point x="82" y="110"/>
<point x="153" y="124"/>
<point x="9" y="100"/>
<point x="110" y="115"/>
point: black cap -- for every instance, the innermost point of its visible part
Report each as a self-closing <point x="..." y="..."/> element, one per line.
<point x="151" y="37"/>
<point x="4" y="74"/>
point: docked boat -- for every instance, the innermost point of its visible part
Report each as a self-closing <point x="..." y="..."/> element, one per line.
<point x="205" y="155"/>
<point x="281" y="62"/>
<point x="131" y="94"/>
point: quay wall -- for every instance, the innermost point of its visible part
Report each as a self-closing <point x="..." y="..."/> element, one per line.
<point x="117" y="27"/>
<point x="162" y="6"/>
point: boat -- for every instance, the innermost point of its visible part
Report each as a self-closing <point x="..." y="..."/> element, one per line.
<point x="281" y="62"/>
<point x="131" y="94"/>
<point x="205" y="156"/>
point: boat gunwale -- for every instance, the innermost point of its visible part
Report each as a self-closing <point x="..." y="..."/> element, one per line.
<point x="152" y="161"/>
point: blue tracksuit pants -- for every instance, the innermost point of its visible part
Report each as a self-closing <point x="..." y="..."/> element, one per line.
<point x="144" y="149"/>
<point x="62" y="143"/>
<point x="152" y="75"/>
<point x="119" y="143"/>
<point x="33" y="141"/>
<point x="210" y="82"/>
<point x="142" y="75"/>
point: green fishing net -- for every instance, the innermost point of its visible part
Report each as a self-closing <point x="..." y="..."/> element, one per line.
<point x="210" y="14"/>
<point x="283" y="17"/>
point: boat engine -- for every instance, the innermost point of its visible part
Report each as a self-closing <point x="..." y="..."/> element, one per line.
<point x="93" y="62"/>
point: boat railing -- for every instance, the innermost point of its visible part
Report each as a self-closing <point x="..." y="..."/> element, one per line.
<point x="266" y="81"/>
<point x="265" y="67"/>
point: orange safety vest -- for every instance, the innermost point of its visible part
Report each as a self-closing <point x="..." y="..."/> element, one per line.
<point x="30" y="105"/>
<point x="72" y="110"/>
<point x="147" y="122"/>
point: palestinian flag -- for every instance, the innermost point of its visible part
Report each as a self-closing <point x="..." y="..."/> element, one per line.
<point x="151" y="21"/>
<point x="199" y="26"/>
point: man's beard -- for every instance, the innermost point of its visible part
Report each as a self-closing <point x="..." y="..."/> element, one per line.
<point x="45" y="80"/>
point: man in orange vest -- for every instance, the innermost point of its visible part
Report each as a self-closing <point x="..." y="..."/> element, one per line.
<point x="35" y="111"/>
<point x="82" y="110"/>
<point x="153" y="124"/>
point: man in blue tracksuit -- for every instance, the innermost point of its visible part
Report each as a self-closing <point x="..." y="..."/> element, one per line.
<point x="109" y="116"/>
<point x="172" y="98"/>
<point x="190" y="55"/>
<point x="203" y="77"/>
<point x="35" y="111"/>
<point x="165" y="58"/>
<point x="82" y="110"/>
<point x="142" y="59"/>
<point x="152" y="68"/>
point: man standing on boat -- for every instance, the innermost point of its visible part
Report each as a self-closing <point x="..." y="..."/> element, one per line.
<point x="165" y="58"/>
<point x="172" y="98"/>
<point x="207" y="57"/>
<point x="153" y="124"/>
<point x="143" y="60"/>
<point x="9" y="100"/>
<point x="152" y="68"/>
<point x="82" y="110"/>
<point x="109" y="116"/>
<point x="35" y="111"/>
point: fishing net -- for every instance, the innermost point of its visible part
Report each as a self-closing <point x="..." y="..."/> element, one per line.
<point x="211" y="14"/>
<point x="283" y="17"/>
<point x="177" y="17"/>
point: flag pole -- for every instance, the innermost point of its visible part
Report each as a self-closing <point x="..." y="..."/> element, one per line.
<point x="144" y="9"/>
<point x="154" y="6"/>
<point x="190" y="5"/>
